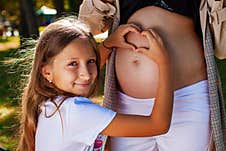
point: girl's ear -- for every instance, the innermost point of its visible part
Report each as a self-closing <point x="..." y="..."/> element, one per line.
<point x="47" y="72"/>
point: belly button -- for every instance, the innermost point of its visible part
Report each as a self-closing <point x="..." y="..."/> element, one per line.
<point x="136" y="61"/>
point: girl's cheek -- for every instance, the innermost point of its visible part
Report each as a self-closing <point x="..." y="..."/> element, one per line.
<point x="73" y="73"/>
<point x="93" y="68"/>
<point x="73" y="70"/>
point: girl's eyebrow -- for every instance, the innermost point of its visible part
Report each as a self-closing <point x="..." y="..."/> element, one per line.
<point x="94" y="57"/>
<point x="73" y="58"/>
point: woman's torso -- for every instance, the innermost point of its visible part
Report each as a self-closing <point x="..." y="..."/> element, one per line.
<point x="138" y="76"/>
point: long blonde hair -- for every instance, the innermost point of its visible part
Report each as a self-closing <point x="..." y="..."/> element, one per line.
<point x="53" y="39"/>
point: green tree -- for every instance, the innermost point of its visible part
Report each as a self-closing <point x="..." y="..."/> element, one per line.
<point x="59" y="5"/>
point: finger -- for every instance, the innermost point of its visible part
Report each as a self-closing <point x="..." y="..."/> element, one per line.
<point x="135" y="26"/>
<point x="129" y="29"/>
<point x="156" y="35"/>
<point x="144" y="51"/>
<point x="133" y="29"/>
<point x="127" y="45"/>
<point x="141" y="50"/>
<point x="148" y="35"/>
<point x="151" y="39"/>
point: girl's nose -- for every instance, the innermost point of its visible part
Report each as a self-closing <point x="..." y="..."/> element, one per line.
<point x="84" y="73"/>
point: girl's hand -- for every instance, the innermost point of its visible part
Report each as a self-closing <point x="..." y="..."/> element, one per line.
<point x="117" y="38"/>
<point x="156" y="50"/>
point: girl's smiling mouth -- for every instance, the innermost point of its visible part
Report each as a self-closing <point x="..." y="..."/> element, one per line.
<point x="82" y="84"/>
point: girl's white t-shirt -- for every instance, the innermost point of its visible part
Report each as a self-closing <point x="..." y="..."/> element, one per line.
<point x="73" y="128"/>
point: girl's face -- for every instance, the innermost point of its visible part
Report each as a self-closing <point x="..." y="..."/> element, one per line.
<point x="74" y="69"/>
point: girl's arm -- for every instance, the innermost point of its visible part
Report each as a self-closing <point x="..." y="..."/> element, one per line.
<point x="159" y="120"/>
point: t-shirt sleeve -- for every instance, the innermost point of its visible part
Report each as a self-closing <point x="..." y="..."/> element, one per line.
<point x="86" y="120"/>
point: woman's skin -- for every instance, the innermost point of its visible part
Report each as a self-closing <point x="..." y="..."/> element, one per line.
<point x="137" y="75"/>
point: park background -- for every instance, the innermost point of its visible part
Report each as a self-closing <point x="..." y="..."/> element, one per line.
<point x="27" y="18"/>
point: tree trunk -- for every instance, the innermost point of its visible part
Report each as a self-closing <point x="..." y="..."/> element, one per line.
<point x="28" y="21"/>
<point x="59" y="5"/>
<point x="74" y="5"/>
<point x="78" y="3"/>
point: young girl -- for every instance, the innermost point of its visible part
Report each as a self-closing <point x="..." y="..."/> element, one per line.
<point x="57" y="115"/>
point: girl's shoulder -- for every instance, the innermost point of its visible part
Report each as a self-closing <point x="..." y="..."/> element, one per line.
<point x="68" y="100"/>
<point x="65" y="104"/>
<point x="75" y="107"/>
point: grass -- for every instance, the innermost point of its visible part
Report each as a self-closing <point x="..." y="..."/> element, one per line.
<point x="4" y="40"/>
<point x="9" y="43"/>
<point x="9" y="125"/>
<point x="4" y="87"/>
<point x="8" y="119"/>
<point x="9" y="39"/>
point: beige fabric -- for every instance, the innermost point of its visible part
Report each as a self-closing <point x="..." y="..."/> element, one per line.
<point x="216" y="11"/>
<point x="97" y="14"/>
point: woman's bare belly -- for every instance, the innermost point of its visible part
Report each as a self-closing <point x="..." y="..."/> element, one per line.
<point x="138" y="76"/>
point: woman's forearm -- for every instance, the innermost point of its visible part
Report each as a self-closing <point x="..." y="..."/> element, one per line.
<point x="104" y="54"/>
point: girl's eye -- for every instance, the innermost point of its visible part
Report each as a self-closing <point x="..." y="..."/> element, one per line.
<point x="73" y="63"/>
<point x="92" y="61"/>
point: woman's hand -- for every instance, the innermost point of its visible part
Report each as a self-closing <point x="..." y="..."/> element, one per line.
<point x="117" y="38"/>
<point x="156" y="50"/>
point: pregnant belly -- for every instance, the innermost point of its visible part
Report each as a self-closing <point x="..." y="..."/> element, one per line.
<point x="137" y="75"/>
